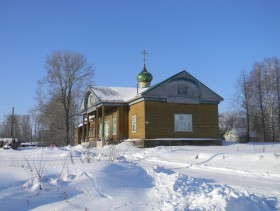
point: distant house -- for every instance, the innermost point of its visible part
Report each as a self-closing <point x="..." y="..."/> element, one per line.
<point x="239" y="135"/>
<point x="12" y="142"/>
<point x="177" y="111"/>
<point x="30" y="144"/>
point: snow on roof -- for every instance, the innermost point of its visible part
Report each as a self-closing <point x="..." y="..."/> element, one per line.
<point x="121" y="94"/>
<point x="91" y="117"/>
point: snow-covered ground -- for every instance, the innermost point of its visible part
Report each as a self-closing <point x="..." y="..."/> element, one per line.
<point x="123" y="177"/>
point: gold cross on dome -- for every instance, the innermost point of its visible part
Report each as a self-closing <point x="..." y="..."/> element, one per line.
<point x="144" y="53"/>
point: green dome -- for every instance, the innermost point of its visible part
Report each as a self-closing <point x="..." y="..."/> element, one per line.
<point x="144" y="76"/>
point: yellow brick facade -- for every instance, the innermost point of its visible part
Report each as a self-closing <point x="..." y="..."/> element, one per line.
<point x="138" y="110"/>
<point x="159" y="120"/>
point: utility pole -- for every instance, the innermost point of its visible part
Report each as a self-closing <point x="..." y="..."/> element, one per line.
<point x="12" y="125"/>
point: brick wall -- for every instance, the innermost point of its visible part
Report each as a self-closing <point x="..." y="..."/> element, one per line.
<point x="159" y="120"/>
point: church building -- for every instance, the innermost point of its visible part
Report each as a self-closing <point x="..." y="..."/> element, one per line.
<point x="180" y="110"/>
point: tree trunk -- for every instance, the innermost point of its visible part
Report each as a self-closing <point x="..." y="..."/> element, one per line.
<point x="247" y="110"/>
<point x="277" y="71"/>
<point x="67" y="131"/>
<point x="261" y="103"/>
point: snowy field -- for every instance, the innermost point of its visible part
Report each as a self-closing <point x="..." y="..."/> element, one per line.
<point x="123" y="177"/>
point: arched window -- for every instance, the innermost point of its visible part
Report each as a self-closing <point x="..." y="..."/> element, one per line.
<point x="86" y="101"/>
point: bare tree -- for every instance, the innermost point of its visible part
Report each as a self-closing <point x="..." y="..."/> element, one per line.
<point x="50" y="123"/>
<point x="243" y="99"/>
<point x="5" y="127"/>
<point x="67" y="74"/>
<point x="277" y="84"/>
<point x="257" y="80"/>
<point x="260" y="99"/>
<point x="270" y="96"/>
<point x="21" y="129"/>
<point x="25" y="128"/>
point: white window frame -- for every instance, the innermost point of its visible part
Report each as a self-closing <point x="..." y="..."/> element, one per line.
<point x="183" y="123"/>
<point x="114" y="126"/>
<point x="134" y="123"/>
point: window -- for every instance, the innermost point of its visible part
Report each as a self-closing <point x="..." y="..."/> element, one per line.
<point x="134" y="124"/>
<point x="106" y="128"/>
<point x="182" y="89"/>
<point x="114" y="126"/>
<point x="183" y="122"/>
<point x="100" y="130"/>
<point x="91" y="132"/>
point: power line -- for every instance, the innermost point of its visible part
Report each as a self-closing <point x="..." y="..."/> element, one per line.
<point x="17" y="105"/>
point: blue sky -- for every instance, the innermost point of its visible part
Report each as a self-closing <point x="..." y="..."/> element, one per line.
<point x="213" y="40"/>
